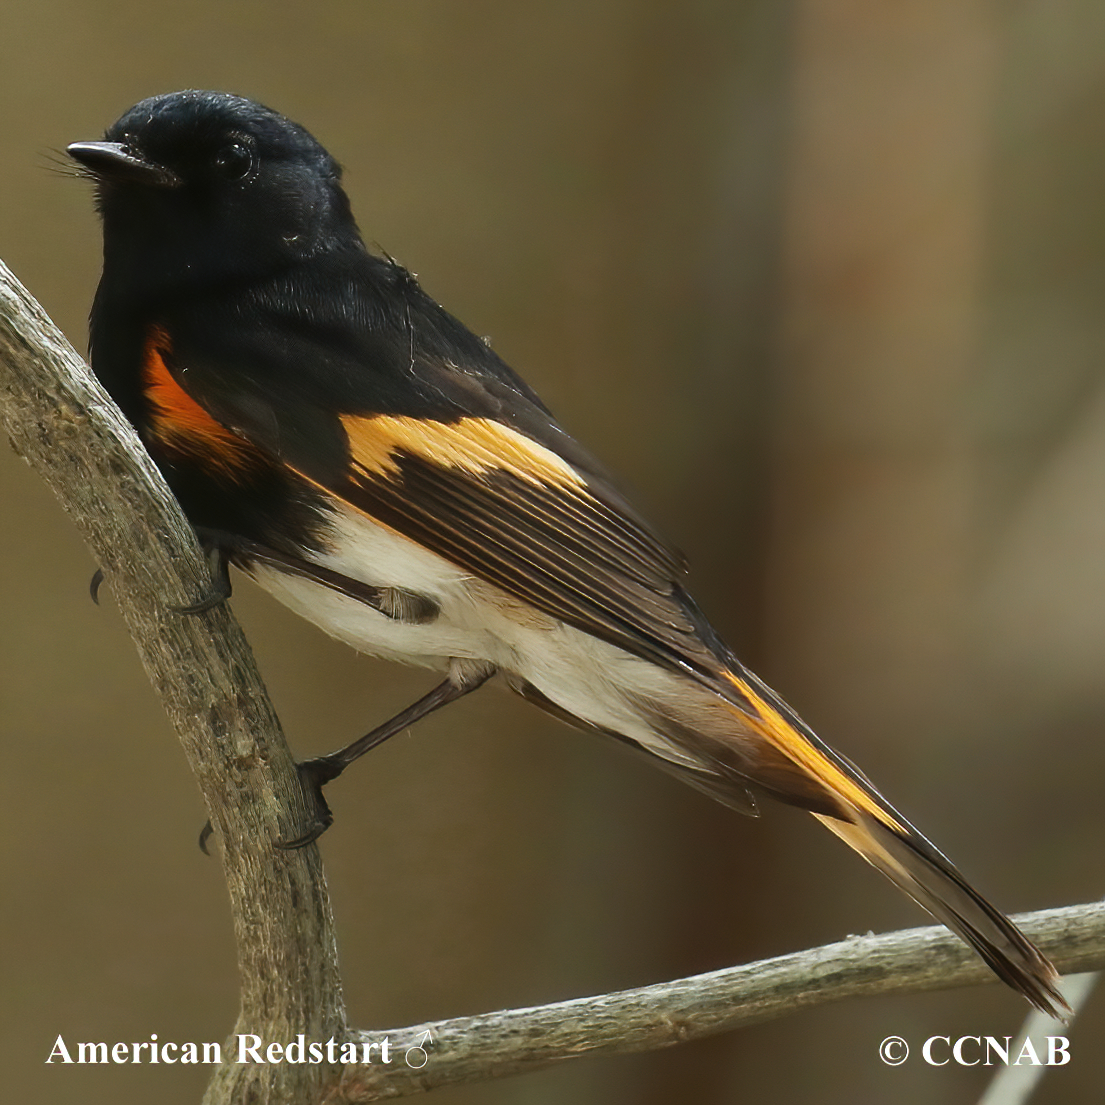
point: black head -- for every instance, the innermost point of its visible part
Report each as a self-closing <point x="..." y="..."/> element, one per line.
<point x="206" y="185"/>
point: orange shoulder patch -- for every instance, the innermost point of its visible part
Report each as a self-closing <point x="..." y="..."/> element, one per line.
<point x="179" y="423"/>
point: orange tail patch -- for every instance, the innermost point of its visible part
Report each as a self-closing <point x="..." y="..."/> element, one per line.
<point x="780" y="734"/>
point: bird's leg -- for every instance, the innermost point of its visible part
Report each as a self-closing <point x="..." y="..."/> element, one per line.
<point x="315" y="774"/>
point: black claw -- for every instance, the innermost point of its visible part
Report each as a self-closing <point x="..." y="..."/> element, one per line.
<point x="221" y="591"/>
<point x="309" y="837"/>
<point x="313" y="776"/>
<point x="205" y="836"/>
<point x="202" y="606"/>
<point x="94" y="585"/>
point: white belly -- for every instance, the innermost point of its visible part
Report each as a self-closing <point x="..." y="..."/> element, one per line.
<point x="588" y="678"/>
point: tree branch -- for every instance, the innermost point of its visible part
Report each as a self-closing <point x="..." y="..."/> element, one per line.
<point x="468" y="1049"/>
<point x="66" y="426"/>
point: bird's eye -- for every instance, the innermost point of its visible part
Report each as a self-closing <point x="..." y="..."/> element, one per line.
<point x="234" y="161"/>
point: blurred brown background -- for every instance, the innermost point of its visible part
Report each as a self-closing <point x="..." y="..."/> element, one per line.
<point x="823" y="282"/>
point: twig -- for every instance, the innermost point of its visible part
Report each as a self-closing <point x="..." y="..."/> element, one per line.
<point x="470" y="1049"/>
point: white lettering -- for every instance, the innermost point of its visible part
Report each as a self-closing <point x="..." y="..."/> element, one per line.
<point x="59" y="1051"/>
<point x="1028" y="1055"/>
<point x="993" y="1047"/>
<point x="249" y="1053"/>
<point x="1056" y="1046"/>
<point x="926" y="1051"/>
<point x="957" y="1050"/>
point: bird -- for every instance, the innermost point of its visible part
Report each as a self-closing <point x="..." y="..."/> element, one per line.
<point x="333" y="432"/>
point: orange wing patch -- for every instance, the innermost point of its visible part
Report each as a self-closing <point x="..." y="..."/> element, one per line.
<point x="476" y="445"/>
<point x="179" y="423"/>
<point x="777" y="731"/>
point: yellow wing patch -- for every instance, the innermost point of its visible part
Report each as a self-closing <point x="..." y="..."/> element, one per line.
<point x="475" y="445"/>
<point x="777" y="731"/>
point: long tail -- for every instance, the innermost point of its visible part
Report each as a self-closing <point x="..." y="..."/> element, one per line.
<point x="931" y="880"/>
<point x="809" y="773"/>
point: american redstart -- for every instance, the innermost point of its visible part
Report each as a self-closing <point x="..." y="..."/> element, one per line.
<point x="332" y="431"/>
